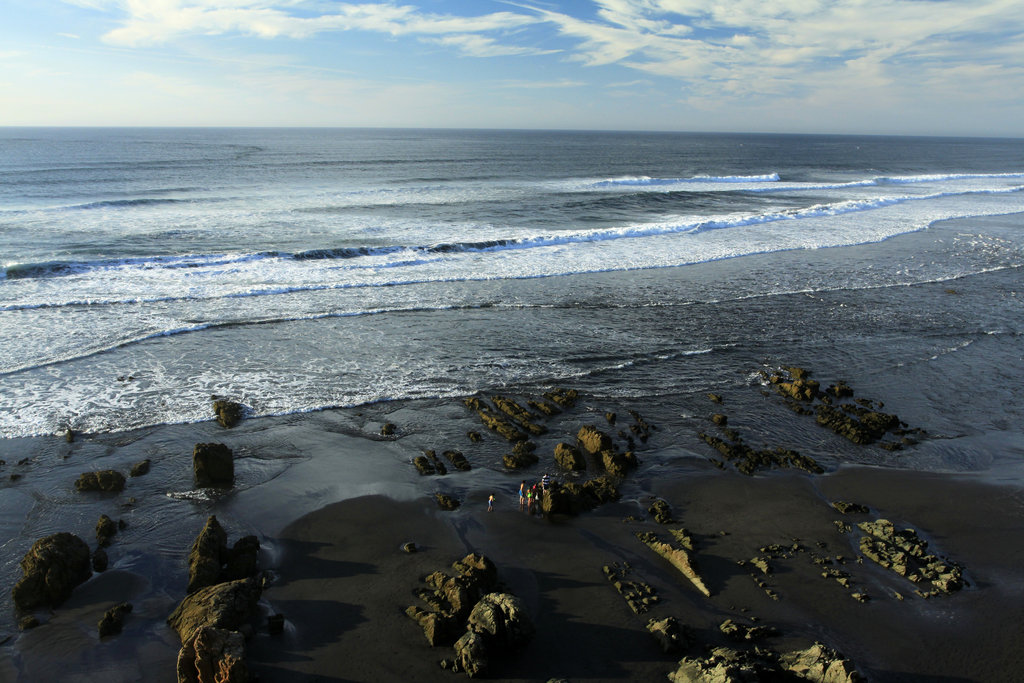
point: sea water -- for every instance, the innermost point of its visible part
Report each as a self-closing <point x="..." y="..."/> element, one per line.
<point x="144" y="270"/>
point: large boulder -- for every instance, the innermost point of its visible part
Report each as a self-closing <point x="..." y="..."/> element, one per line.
<point x="51" y="569"/>
<point x="502" y="619"/>
<point x="108" y="481"/>
<point x="471" y="654"/>
<point x="569" y="457"/>
<point x="213" y="464"/>
<point x="226" y="605"/>
<point x="206" y="557"/>
<point x="213" y="655"/>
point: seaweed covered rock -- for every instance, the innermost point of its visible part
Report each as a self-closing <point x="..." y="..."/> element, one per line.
<point x="106" y="529"/>
<point x="51" y="569"/>
<point x="107" y="481"/>
<point x="446" y="502"/>
<point x="228" y="412"/>
<point x="213" y="464"/>
<point x="593" y="440"/>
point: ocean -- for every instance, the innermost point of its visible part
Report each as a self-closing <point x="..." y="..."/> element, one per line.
<point x="333" y="281"/>
<point x="144" y="270"/>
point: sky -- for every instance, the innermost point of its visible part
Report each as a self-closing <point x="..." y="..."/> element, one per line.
<point x="904" y="67"/>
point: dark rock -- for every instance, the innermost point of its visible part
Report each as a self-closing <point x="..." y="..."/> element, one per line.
<point x="715" y="398"/>
<point x="719" y="419"/>
<point x="742" y="632"/>
<point x="566" y="398"/>
<point x="107" y="481"/>
<point x="228" y="413"/>
<point x="242" y="560"/>
<point x="225" y="605"/>
<point x="725" y="665"/>
<point x="519" y="415"/>
<point x="569" y="457"/>
<point x="113" y="620"/>
<point x="213" y="655"/>
<point x="849" y="508"/>
<point x="410" y="547"/>
<point x="471" y="654"/>
<point x="820" y="664"/>
<point x="610" y="417"/>
<point x="51" y="569"/>
<point x="69" y="435"/>
<point x="618" y="464"/>
<point x="521" y="457"/>
<point x="388" y="429"/>
<point x="275" y="624"/>
<point x="458" y="460"/>
<point x="207" y="555"/>
<point x="440" y="628"/>
<point x="139" y="469"/>
<point x="475" y="437"/>
<point x="438" y="465"/>
<point x="213" y="465"/>
<point x="672" y="636"/>
<point x="446" y="502"/>
<point x="106" y="529"/>
<point x="661" y="511"/>
<point x="423" y="465"/>
<point x="100" y="561"/>
<point x="28" y="622"/>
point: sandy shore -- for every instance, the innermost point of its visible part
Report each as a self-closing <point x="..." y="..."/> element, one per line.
<point x="333" y="504"/>
<point x="344" y="581"/>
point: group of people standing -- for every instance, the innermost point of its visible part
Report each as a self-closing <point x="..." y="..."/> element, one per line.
<point x="531" y="496"/>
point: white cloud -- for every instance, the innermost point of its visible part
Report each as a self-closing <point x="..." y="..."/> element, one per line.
<point x="472" y="45"/>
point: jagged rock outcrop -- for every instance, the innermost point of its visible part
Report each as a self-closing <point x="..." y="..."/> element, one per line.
<point x="213" y="464"/>
<point x="522" y="456"/>
<point x="206" y="556"/>
<point x="672" y="636"/>
<point x="224" y="605"/>
<point x="140" y="468"/>
<point x="593" y="440"/>
<point x="446" y="502"/>
<point x="820" y="664"/>
<point x="107" y="481"/>
<point x="661" y="511"/>
<point x="51" y="569"/>
<point x="904" y="553"/>
<point x="213" y="655"/>
<point x="677" y="557"/>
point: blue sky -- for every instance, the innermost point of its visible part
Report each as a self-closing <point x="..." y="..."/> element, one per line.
<point x="926" y="67"/>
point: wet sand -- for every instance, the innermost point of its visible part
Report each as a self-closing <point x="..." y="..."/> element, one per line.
<point x="344" y="581"/>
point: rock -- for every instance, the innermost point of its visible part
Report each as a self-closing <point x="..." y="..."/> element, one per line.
<point x="106" y="529"/>
<point x="742" y="632"/>
<point x="618" y="464"/>
<point x="458" y="460"/>
<point x="225" y="605"/>
<point x="410" y="547"/>
<point x="108" y="481"/>
<point x="724" y="665"/>
<point x="849" y="508"/>
<point x="661" y="511"/>
<point x="275" y="624"/>
<point x="610" y="417"/>
<point x="593" y="440"/>
<point x="502" y="619"/>
<point x="475" y="437"/>
<point x="678" y="558"/>
<point x="521" y="456"/>
<point x="242" y="560"/>
<point x="213" y="465"/>
<point x="228" y="413"/>
<point x="446" y="502"/>
<point x="213" y="655"/>
<point x="440" y="628"/>
<point x="423" y="465"/>
<point x="28" y="622"/>
<point x="478" y="570"/>
<point x="471" y="654"/>
<point x="51" y="569"/>
<point x="388" y="429"/>
<point x="715" y="398"/>
<point x="566" y="398"/>
<point x="670" y="634"/>
<point x="719" y="419"/>
<point x="100" y="561"/>
<point x="207" y="555"/>
<point x="139" y="469"/>
<point x="519" y="415"/>
<point x="113" y="620"/>
<point x="569" y="457"/>
<point x="820" y="665"/>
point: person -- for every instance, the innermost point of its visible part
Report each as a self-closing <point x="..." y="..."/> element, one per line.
<point x="544" y="481"/>
<point x="529" y="501"/>
<point x="490" y="503"/>
<point x="522" y="494"/>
